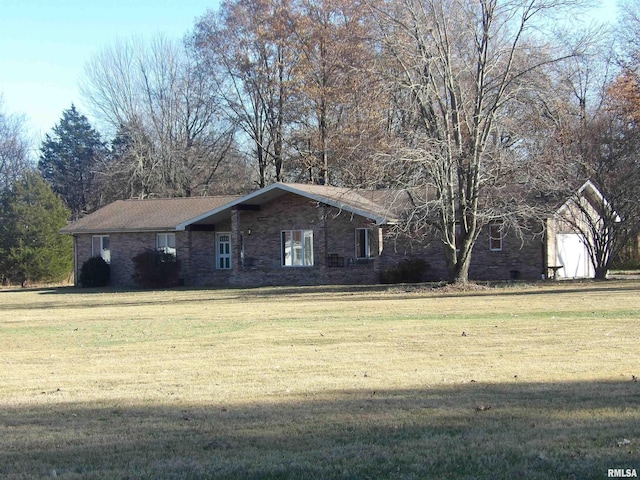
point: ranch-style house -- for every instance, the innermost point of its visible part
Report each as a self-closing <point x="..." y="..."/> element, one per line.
<point x="295" y="234"/>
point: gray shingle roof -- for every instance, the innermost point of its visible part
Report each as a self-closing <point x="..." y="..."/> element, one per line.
<point x="146" y="215"/>
<point x="386" y="204"/>
<point x="175" y="213"/>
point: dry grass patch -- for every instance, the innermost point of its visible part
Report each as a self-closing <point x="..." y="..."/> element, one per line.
<point x="523" y="382"/>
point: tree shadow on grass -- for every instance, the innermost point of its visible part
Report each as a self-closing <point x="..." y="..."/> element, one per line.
<point x="332" y="293"/>
<point x="89" y="298"/>
<point x="526" y="431"/>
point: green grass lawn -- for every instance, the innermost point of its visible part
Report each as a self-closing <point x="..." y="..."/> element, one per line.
<point x="522" y="382"/>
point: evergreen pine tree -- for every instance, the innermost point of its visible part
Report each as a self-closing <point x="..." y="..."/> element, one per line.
<point x="69" y="159"/>
<point x="31" y="249"/>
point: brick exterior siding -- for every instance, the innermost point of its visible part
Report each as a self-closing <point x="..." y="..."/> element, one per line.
<point x="260" y="237"/>
<point x="123" y="246"/>
<point x="257" y="250"/>
<point x="518" y="258"/>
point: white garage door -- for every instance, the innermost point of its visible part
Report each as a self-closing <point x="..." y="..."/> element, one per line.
<point x="573" y="256"/>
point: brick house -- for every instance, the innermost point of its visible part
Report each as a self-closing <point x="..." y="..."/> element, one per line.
<point x="287" y="234"/>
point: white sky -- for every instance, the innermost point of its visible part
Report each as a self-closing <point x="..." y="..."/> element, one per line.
<point x="44" y="45"/>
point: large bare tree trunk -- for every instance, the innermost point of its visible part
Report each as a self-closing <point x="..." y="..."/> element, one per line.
<point x="467" y="67"/>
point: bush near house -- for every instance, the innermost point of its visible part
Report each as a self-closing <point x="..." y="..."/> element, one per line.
<point x="156" y="269"/>
<point x="410" y="270"/>
<point x="95" y="272"/>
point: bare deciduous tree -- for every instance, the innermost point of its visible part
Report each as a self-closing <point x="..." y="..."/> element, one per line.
<point x="595" y="137"/>
<point x="244" y="48"/>
<point x="14" y="148"/>
<point x="297" y="76"/>
<point x="177" y="135"/>
<point x="627" y="31"/>
<point x="468" y="69"/>
<point x="607" y="151"/>
<point x="340" y="101"/>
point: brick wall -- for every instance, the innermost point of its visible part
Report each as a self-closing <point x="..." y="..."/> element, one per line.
<point x="200" y="267"/>
<point x="260" y="234"/>
<point x="518" y="259"/>
<point x="125" y="246"/>
<point x="257" y="256"/>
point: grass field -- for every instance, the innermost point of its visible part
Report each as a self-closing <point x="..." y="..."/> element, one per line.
<point x="520" y="382"/>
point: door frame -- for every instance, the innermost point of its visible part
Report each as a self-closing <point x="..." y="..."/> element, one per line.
<point x="220" y="255"/>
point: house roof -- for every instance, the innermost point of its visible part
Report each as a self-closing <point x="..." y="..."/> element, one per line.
<point x="145" y="215"/>
<point x="382" y="206"/>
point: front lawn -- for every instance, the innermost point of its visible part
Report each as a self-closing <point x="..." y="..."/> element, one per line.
<point x="527" y="382"/>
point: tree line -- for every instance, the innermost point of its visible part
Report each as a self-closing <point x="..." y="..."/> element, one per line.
<point x="485" y="110"/>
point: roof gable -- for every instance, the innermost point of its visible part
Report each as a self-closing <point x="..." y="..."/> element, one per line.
<point x="591" y="194"/>
<point x="380" y="206"/>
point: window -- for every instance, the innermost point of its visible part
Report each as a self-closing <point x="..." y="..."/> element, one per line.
<point x="495" y="237"/>
<point x="363" y="245"/>
<point x="297" y="248"/>
<point x="166" y="242"/>
<point x="100" y="247"/>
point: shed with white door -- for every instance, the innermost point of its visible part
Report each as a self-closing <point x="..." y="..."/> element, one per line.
<point x="568" y="244"/>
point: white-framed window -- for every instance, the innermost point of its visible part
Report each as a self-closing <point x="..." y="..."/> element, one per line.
<point x="495" y="237"/>
<point x="223" y="251"/>
<point x="101" y="247"/>
<point x="166" y="242"/>
<point x="363" y="243"/>
<point x="297" y="248"/>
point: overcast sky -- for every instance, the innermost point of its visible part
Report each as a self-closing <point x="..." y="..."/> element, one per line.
<point x="44" y="45"/>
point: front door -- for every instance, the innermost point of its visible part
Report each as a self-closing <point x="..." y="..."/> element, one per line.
<point x="223" y="251"/>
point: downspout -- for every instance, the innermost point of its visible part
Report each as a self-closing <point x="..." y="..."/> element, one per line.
<point x="545" y="251"/>
<point x="325" y="240"/>
<point x="187" y="277"/>
<point x="76" y="272"/>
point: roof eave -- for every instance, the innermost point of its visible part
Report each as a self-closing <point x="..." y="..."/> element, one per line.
<point x="95" y="231"/>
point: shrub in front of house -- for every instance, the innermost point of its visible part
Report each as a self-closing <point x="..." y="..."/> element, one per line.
<point x="156" y="269"/>
<point x="95" y="272"/>
<point x="409" y="270"/>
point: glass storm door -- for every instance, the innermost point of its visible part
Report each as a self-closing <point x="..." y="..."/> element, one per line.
<point x="223" y="251"/>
